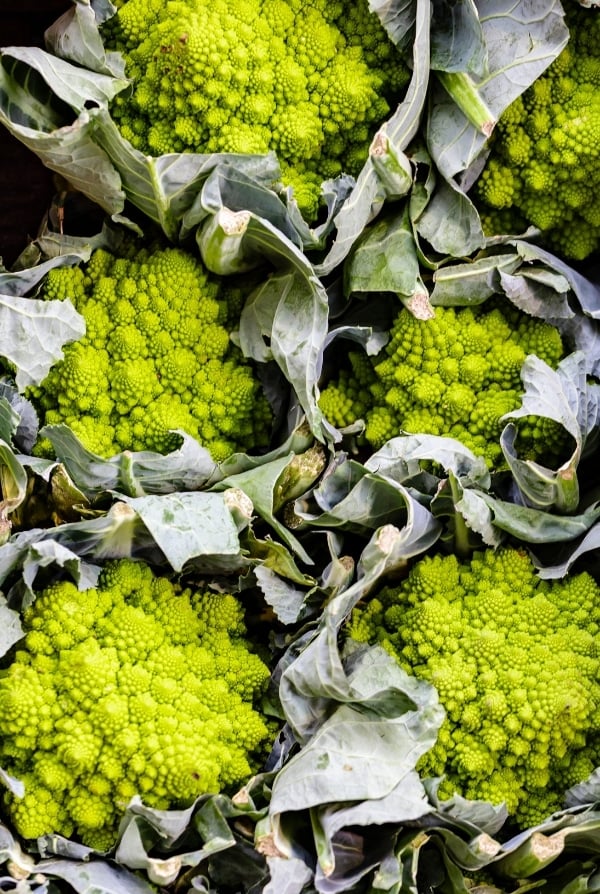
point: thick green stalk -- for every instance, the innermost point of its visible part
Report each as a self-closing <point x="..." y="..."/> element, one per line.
<point x="465" y="94"/>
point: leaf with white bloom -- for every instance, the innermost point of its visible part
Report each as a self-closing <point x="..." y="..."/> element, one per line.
<point x="189" y="526"/>
<point x="20" y="282"/>
<point x="359" y="765"/>
<point x="34" y="333"/>
<point x="95" y="877"/>
<point x="521" y="42"/>
<point x="189" y="467"/>
<point x="589" y="543"/>
<point x="73" y="85"/>
<point x="400" y="458"/>
<point x="11" y="630"/>
<point x="565" y="396"/>
<point x="366" y="199"/>
<point x="75" y="38"/>
<point x="585" y="290"/>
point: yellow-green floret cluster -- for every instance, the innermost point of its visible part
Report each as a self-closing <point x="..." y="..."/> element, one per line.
<point x="137" y="687"/>
<point x="515" y="661"/>
<point x="454" y="375"/>
<point x="308" y="81"/>
<point x="156" y="357"/>
<point x="544" y="167"/>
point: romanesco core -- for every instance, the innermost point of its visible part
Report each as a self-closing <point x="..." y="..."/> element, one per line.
<point x="137" y="687"/>
<point x="310" y="82"/>
<point x="156" y="357"/>
<point x="515" y="661"/>
<point x="454" y="375"/>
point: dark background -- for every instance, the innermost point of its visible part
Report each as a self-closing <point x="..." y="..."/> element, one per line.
<point x="25" y="185"/>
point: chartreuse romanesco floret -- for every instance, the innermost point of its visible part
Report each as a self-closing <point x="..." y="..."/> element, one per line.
<point x="156" y="357"/>
<point x="455" y="375"/>
<point x="515" y="661"/>
<point x="309" y="81"/>
<point x="138" y="687"/>
<point x="544" y="167"/>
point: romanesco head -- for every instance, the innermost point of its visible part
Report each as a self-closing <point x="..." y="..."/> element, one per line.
<point x="515" y="661"/>
<point x="543" y="168"/>
<point x="455" y="375"/>
<point x="310" y="82"/>
<point x="156" y="357"/>
<point x="135" y="687"/>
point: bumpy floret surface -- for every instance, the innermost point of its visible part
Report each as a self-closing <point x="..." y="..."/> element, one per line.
<point x="515" y="661"/>
<point x="544" y="165"/>
<point x="454" y="375"/>
<point x="308" y="81"/>
<point x="137" y="687"/>
<point x="156" y="358"/>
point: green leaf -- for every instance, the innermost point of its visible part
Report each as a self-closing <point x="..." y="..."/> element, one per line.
<point x="9" y="419"/>
<point x="384" y="259"/>
<point x="527" y="524"/>
<point x="565" y="396"/>
<point x="18" y="420"/>
<point x="260" y="484"/>
<point x="473" y="282"/>
<point x="314" y="676"/>
<point x="449" y="223"/>
<point x="464" y="510"/>
<point x="190" y="526"/>
<point x="13" y="483"/>
<point x="75" y="38"/>
<point x="34" y="333"/>
<point x="290" y="309"/>
<point x="135" y="474"/>
<point x="366" y="199"/>
<point x="11" y="630"/>
<point x="248" y="187"/>
<point x="354" y="499"/>
<point x="520" y="44"/>
<point x="398" y="19"/>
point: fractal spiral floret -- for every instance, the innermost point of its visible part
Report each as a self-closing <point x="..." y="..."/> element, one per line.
<point x="136" y="687"/>
<point x="308" y="81"/>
